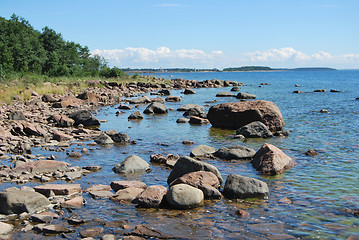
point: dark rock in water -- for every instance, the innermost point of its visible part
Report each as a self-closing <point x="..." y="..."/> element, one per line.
<point x="238" y="114"/>
<point x="335" y="91"/>
<point x="270" y="160"/>
<point x="151" y="197"/>
<point x="91" y="232"/>
<point x="202" y="151"/>
<point x="297" y="91"/>
<point x="237" y="186"/>
<point x="118" y="185"/>
<point x="85" y="118"/>
<point x="186" y="165"/>
<point x="235" y="89"/>
<point x="131" y="164"/>
<point x="121" y="138"/>
<point x="195" y="112"/>
<point x="135" y="116"/>
<point x="235" y="152"/>
<point x="182" y="120"/>
<point x="357" y="98"/>
<point x="146" y="231"/>
<point x="225" y="94"/>
<point x="183" y="196"/>
<point x="19" y="201"/>
<point x="156" y="108"/>
<point x="324" y="111"/>
<point x="103" y="139"/>
<point x="52" y="229"/>
<point x="140" y="100"/>
<point x="173" y="99"/>
<point x="245" y="96"/>
<point x="16" y="115"/>
<point x="255" y="130"/>
<point x="125" y="107"/>
<point x="189" y="91"/>
<point x="320" y="90"/>
<point x="187" y="142"/>
<point x="164" y="92"/>
<point x="198" y="120"/>
<point x="311" y="152"/>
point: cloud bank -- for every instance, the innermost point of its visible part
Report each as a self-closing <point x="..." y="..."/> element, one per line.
<point x="164" y="57"/>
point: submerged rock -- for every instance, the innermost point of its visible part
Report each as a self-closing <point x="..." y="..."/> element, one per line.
<point x="270" y="160"/>
<point x="237" y="186"/>
<point x="203" y="151"/>
<point x="235" y="152"/>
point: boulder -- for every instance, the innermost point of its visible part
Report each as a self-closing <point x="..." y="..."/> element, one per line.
<point x="238" y="114"/>
<point x="156" y="108"/>
<point x="245" y="96"/>
<point x="121" y="138"/>
<point x="186" y="165"/>
<point x="58" y="189"/>
<point x="195" y="112"/>
<point x="198" y="120"/>
<point x="140" y="100"/>
<point x="5" y="228"/>
<point x="42" y="166"/>
<point x="62" y="137"/>
<point x="19" y="201"/>
<point x="202" y="151"/>
<point x="182" y="120"/>
<point x="235" y="152"/>
<point x="151" y="197"/>
<point x="173" y="99"/>
<point x="320" y="90"/>
<point x="237" y="186"/>
<point x="255" y="129"/>
<point x="183" y="196"/>
<point x="91" y="232"/>
<point x="131" y="164"/>
<point x="85" y="118"/>
<point x="235" y="89"/>
<point x="135" y="116"/>
<point x="62" y="121"/>
<point x="98" y="187"/>
<point x="225" y="94"/>
<point x="103" y="139"/>
<point x="127" y="195"/>
<point x="89" y="97"/>
<point x="164" y="92"/>
<point x="189" y="91"/>
<point x="125" y="107"/>
<point x="101" y="194"/>
<point x="270" y="160"/>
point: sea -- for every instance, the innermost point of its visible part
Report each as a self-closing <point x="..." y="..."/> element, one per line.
<point x="316" y="199"/>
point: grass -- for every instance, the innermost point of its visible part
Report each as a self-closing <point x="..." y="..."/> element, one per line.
<point x="20" y="86"/>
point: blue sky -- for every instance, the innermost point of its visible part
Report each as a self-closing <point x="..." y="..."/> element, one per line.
<point x="204" y="33"/>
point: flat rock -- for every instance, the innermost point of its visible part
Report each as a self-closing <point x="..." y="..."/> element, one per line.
<point x="52" y="229"/>
<point x="242" y="95"/>
<point x="202" y="151"/>
<point x="198" y="120"/>
<point x="5" y="228"/>
<point x="91" y="232"/>
<point x="237" y="186"/>
<point x="118" y="185"/>
<point x="236" y="152"/>
<point x="127" y="194"/>
<point x="131" y="164"/>
<point x="151" y="197"/>
<point x="42" y="166"/>
<point x="76" y="202"/>
<point x="140" y="100"/>
<point x="225" y="94"/>
<point x="101" y="194"/>
<point x="98" y="187"/>
<point x="58" y="189"/>
<point x="183" y="196"/>
<point x="190" y="106"/>
<point x="146" y="231"/>
<point x="270" y="160"/>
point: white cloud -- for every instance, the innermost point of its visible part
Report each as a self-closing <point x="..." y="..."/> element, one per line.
<point x="163" y="57"/>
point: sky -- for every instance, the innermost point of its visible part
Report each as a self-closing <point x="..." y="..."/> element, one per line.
<point x="204" y="33"/>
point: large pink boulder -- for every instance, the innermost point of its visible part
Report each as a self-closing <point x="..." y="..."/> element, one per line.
<point x="270" y="160"/>
<point x="238" y="114"/>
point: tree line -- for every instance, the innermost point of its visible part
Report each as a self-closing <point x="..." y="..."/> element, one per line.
<point x="24" y="49"/>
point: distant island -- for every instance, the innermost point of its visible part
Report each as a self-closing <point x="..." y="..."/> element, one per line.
<point x="231" y="69"/>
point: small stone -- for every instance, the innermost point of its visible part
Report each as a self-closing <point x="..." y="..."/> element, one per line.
<point x="75" y="155"/>
<point x="76" y="202"/>
<point x="91" y="232"/>
<point x="311" y="152"/>
<point x="243" y="214"/>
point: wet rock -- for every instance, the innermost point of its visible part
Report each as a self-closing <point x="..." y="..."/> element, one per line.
<point x="135" y="116"/>
<point x="235" y="89"/>
<point x="103" y="139"/>
<point x="187" y="142"/>
<point x="254" y="129"/>
<point x="203" y="151"/>
<point x="76" y="202"/>
<point x="297" y="91"/>
<point x="195" y="112"/>
<point x="156" y="108"/>
<point x="75" y="154"/>
<point x="42" y="166"/>
<point x="5" y="228"/>
<point x="324" y="111"/>
<point x="311" y="152"/>
<point x="238" y="114"/>
<point x="186" y="165"/>
<point x="242" y="214"/>
<point x="92" y="168"/>
<point x="19" y="201"/>
<point x="131" y="164"/>
<point x="334" y="90"/>
<point x="52" y="229"/>
<point x="146" y="231"/>
<point x="182" y="120"/>
<point x="320" y="90"/>
<point x="164" y="92"/>
<point x="40" y="218"/>
<point x="98" y="187"/>
<point x="173" y="99"/>
<point x="190" y="106"/>
<point x="91" y="232"/>
<point x="189" y="91"/>
<point x="85" y="118"/>
<point x="225" y="94"/>
<point x="101" y="194"/>
<point x="140" y="100"/>
<point x="118" y="185"/>
<point x="235" y="152"/>
<point x="237" y="186"/>
<point x="127" y="195"/>
<point x="58" y="189"/>
<point x="151" y="197"/>
<point x="183" y="196"/>
<point x="270" y="160"/>
<point x="245" y="96"/>
<point x="125" y="107"/>
<point x="198" y="120"/>
<point x="121" y="138"/>
<point x="71" y="176"/>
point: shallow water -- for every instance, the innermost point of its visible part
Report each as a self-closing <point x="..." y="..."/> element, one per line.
<point x="320" y="188"/>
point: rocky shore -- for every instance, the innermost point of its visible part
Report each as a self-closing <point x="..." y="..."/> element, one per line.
<point x="54" y="122"/>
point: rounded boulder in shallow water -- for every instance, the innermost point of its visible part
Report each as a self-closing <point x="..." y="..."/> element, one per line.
<point x="151" y="197"/>
<point x="238" y="186"/>
<point x="235" y="152"/>
<point x="183" y="196"/>
<point x="131" y="164"/>
<point x="156" y="108"/>
<point x="135" y="116"/>
<point x="255" y="129"/>
<point x="202" y="151"/>
<point x="85" y="118"/>
<point x="103" y="139"/>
